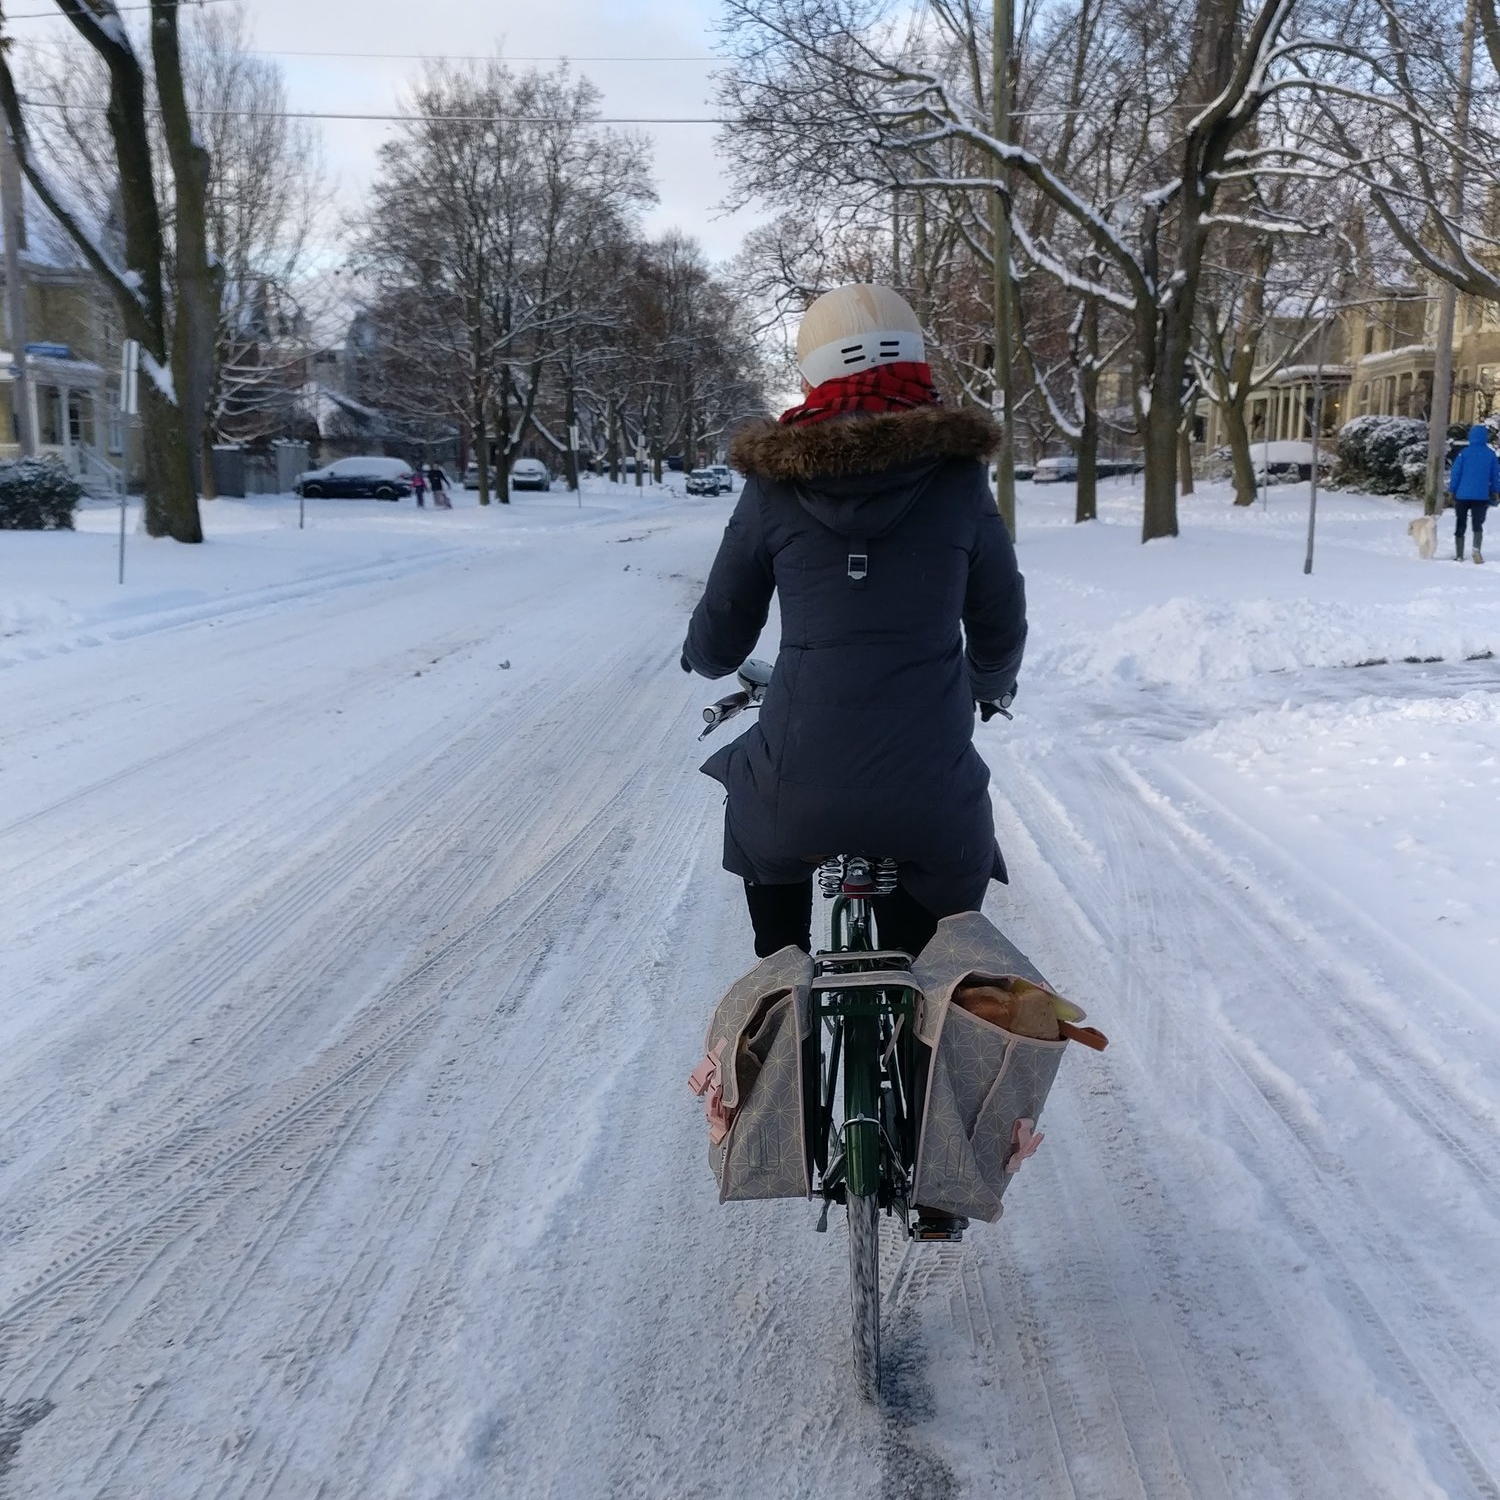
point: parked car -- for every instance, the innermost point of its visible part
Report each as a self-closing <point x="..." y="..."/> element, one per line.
<point x="355" y="478"/>
<point x="1020" y="471"/>
<point x="703" y="482"/>
<point x="726" y="477"/>
<point x="530" y="474"/>
<point x="1054" y="470"/>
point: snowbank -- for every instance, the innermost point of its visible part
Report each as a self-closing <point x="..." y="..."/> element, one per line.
<point x="60" y="590"/>
<point x="1228" y="599"/>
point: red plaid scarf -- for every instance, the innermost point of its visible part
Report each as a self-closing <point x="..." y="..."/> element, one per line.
<point x="893" y="387"/>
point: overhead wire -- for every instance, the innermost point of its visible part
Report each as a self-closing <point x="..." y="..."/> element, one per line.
<point x="397" y="118"/>
<point x="561" y="57"/>
<point x="58" y="15"/>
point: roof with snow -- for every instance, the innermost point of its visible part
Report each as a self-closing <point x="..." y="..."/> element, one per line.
<point x="48" y="246"/>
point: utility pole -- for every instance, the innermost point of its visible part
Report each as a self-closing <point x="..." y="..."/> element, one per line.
<point x="13" y="214"/>
<point x="1442" y="364"/>
<point x="1005" y="469"/>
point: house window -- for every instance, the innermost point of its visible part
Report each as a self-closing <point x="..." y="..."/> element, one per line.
<point x="1369" y="336"/>
<point x="1364" y="398"/>
<point x="116" y="427"/>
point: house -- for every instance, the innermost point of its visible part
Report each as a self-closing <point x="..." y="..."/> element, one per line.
<point x="1398" y="339"/>
<point x="71" y="356"/>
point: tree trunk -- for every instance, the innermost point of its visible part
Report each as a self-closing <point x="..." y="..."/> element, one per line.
<point x="1086" y="507"/>
<point x="502" y="431"/>
<point x="208" y="485"/>
<point x="570" y="416"/>
<point x="1160" y="432"/>
<point x="482" y="451"/>
<point x="199" y="277"/>
<point x="171" y="502"/>
<point x="1238" y="433"/>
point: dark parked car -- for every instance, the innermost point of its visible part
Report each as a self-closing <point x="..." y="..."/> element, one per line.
<point x="369" y="477"/>
<point x="702" y="482"/>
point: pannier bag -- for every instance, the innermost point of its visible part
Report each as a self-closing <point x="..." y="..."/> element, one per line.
<point x="986" y="1084"/>
<point x="994" y="1034"/>
<point x="752" y="1085"/>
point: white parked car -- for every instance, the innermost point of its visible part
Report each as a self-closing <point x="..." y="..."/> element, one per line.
<point x="726" y="477"/>
<point x="530" y="474"/>
<point x="1055" y="470"/>
<point x="366" y="477"/>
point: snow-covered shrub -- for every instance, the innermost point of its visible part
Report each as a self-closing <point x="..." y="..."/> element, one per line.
<point x="1384" y="455"/>
<point x="37" y="496"/>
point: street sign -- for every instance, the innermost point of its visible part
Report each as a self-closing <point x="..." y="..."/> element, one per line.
<point x="50" y="351"/>
<point x="130" y="365"/>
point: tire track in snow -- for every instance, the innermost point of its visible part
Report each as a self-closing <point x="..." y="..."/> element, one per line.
<point x="600" y="818"/>
<point x="1250" y="937"/>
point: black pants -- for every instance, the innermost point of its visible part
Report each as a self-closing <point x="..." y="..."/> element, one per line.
<point x="782" y="917"/>
<point x="1472" y="512"/>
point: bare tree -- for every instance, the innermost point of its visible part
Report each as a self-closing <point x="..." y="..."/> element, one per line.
<point x="264" y="200"/>
<point x="507" y="184"/>
<point x="176" y="336"/>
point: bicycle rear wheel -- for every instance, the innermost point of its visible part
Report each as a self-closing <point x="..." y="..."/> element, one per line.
<point x="864" y="1292"/>
<point x="862" y="1174"/>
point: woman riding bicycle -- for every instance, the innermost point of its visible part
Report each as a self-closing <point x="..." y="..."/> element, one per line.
<point x="868" y="512"/>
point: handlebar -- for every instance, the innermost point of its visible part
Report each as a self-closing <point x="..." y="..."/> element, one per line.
<point x="755" y="677"/>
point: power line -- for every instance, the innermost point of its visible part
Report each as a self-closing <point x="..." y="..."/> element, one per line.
<point x="57" y="15"/>
<point x="400" y="119"/>
<point x="397" y="118"/>
<point x="469" y="57"/>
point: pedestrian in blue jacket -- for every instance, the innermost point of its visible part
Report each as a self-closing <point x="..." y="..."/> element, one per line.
<point x="1474" y="483"/>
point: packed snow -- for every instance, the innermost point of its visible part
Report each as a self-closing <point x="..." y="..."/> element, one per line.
<point x="363" y="916"/>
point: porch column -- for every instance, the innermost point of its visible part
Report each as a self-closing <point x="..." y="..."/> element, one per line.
<point x="65" y="416"/>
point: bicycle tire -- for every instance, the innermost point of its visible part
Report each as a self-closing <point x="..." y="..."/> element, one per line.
<point x="864" y="1292"/>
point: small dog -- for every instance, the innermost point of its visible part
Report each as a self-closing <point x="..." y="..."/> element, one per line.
<point x="1424" y="530"/>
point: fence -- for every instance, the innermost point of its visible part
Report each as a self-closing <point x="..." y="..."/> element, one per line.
<point x="238" y="473"/>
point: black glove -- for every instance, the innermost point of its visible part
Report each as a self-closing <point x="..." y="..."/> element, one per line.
<point x="988" y="710"/>
<point x="687" y="666"/>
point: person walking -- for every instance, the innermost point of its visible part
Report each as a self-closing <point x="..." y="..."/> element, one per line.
<point x="438" y="482"/>
<point x="1474" y="484"/>
<point x="868" y="512"/>
<point x="419" y="485"/>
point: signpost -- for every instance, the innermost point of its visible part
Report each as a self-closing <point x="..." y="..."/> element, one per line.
<point x="130" y="367"/>
<point x="573" y="451"/>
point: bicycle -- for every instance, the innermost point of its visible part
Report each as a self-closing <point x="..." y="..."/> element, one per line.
<point x="863" y="1036"/>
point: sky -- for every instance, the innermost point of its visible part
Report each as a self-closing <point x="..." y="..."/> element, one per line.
<point x="689" y="176"/>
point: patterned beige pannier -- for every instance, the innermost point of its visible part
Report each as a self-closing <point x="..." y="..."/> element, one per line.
<point x="752" y="1084"/>
<point x="985" y="1086"/>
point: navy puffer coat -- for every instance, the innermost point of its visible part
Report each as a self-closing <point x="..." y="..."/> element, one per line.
<point x="901" y="605"/>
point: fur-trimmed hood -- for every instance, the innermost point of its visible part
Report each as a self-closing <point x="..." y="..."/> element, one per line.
<point x="843" y="447"/>
<point x="860" y="475"/>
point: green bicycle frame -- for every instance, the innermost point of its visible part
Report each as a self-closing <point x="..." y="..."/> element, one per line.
<point x="872" y="1160"/>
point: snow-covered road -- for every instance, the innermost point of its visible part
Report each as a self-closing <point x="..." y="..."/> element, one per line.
<point x="359" y="936"/>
